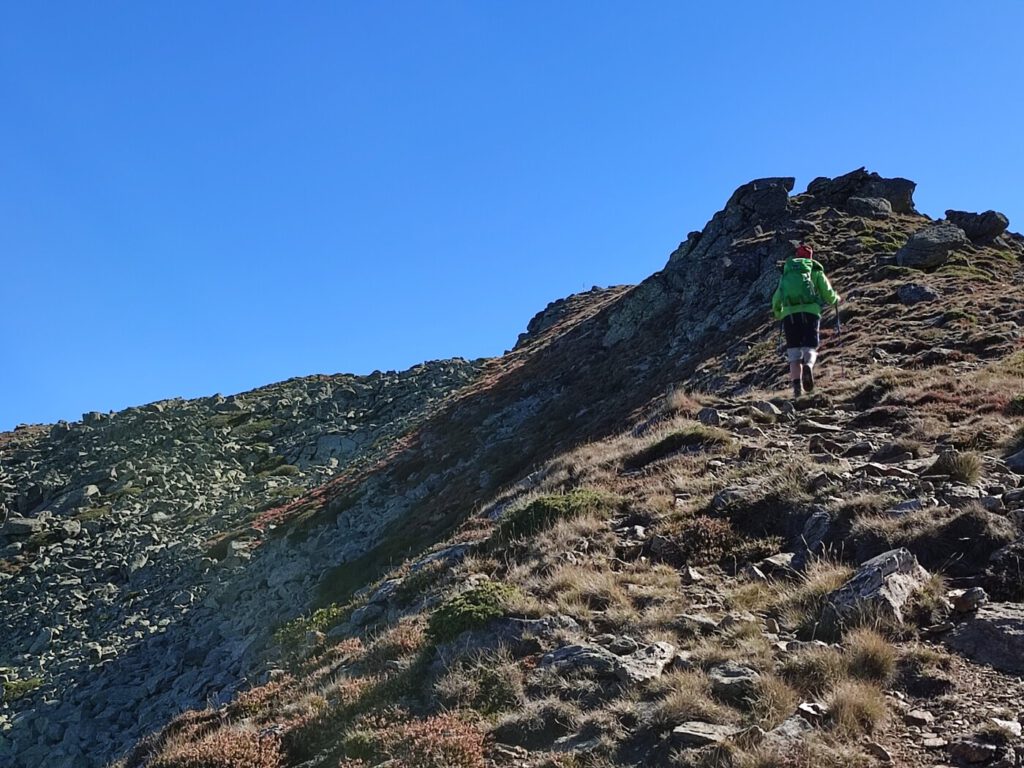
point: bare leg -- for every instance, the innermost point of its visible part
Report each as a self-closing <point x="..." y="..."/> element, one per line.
<point x="795" y="376"/>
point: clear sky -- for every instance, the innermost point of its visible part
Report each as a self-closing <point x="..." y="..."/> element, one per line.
<point x="201" y="197"/>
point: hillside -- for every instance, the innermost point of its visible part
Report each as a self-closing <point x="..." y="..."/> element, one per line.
<point x="614" y="545"/>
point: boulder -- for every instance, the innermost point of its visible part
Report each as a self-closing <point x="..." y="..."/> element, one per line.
<point x="994" y="636"/>
<point x="645" y="663"/>
<point x="791" y="731"/>
<point x="812" y="538"/>
<point x="763" y="199"/>
<point x="882" y="585"/>
<point x="980" y="228"/>
<point x="930" y="247"/>
<point x="572" y="658"/>
<point x="698" y="734"/>
<point x="915" y="293"/>
<point x="18" y="527"/>
<point x="733" y="683"/>
<point x="1004" y="577"/>
<point x="864" y="184"/>
<point x="1016" y="462"/>
<point x="871" y="207"/>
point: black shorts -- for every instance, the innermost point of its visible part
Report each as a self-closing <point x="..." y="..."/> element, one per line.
<point x="803" y="330"/>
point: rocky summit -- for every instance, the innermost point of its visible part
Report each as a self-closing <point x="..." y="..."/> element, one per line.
<point x="618" y="544"/>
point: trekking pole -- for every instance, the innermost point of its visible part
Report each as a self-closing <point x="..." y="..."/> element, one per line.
<point x="839" y="343"/>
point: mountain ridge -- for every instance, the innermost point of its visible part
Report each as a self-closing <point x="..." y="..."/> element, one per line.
<point x="587" y="368"/>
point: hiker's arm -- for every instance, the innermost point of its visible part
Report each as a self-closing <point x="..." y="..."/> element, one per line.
<point x="824" y="288"/>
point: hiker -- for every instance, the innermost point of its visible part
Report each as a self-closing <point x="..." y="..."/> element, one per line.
<point x="797" y="302"/>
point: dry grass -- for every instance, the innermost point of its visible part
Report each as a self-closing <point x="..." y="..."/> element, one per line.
<point x="488" y="683"/>
<point x="870" y="656"/>
<point x="221" y="748"/>
<point x="685" y="695"/>
<point x="963" y="466"/>
<point x="401" y="641"/>
<point x="856" y="707"/>
<point x="679" y="402"/>
<point x="802" y="604"/>
<point x="774" y="700"/>
<point x="815" y="670"/>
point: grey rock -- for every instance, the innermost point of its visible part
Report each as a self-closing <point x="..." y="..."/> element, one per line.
<point x="993" y="636"/>
<point x="812" y="538"/>
<point x="709" y="416"/>
<point x="789" y="732"/>
<point x="861" y="183"/>
<point x="882" y="585"/>
<point x="698" y="734"/>
<point x="571" y="658"/>
<point x="915" y="293"/>
<point x="981" y="228"/>
<point x="931" y="246"/>
<point x="873" y="207"/>
<point x="646" y="663"/>
<point x="1016" y="461"/>
<point x="19" y="527"/>
<point x="732" y="682"/>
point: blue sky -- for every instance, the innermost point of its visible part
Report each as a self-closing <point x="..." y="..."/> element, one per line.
<point x="208" y="197"/>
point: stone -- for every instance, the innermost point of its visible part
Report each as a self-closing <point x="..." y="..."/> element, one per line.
<point x="645" y="664"/>
<point x="696" y="624"/>
<point x="973" y="752"/>
<point x="967" y="600"/>
<point x="789" y="732"/>
<point x="732" y="682"/>
<point x="1012" y="727"/>
<point x="861" y="183"/>
<point x="882" y="585"/>
<point x="1004" y="576"/>
<point x="812" y="538"/>
<point x="698" y="734"/>
<point x="571" y="658"/>
<point x="365" y="614"/>
<point x="871" y="207"/>
<point x="930" y="247"/>
<point x="811" y="427"/>
<point x="915" y="293"/>
<point x="980" y="228"/>
<point x="994" y="636"/>
<point x="1016" y="461"/>
<point x="19" y="527"/>
<point x="876" y="750"/>
<point x="709" y="417"/>
<point x="919" y="717"/>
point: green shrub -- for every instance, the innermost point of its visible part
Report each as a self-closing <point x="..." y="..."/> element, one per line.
<point x="697" y="437"/>
<point x="1016" y="406"/>
<point x="470" y="610"/>
<point x="544" y="512"/>
<point x="292" y="634"/>
<point x="285" y="470"/>
<point x="15" y="689"/>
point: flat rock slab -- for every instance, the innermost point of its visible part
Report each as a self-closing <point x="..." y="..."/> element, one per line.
<point x="812" y="427"/>
<point x="645" y="663"/>
<point x="994" y="636"/>
<point x="697" y="734"/>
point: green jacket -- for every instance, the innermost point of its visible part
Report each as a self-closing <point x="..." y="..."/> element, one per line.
<point x="803" y="287"/>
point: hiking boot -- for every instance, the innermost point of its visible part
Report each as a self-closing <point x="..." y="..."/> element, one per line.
<point x="808" y="379"/>
<point x="796" y="388"/>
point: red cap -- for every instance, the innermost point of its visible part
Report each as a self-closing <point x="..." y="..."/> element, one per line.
<point x="804" y="251"/>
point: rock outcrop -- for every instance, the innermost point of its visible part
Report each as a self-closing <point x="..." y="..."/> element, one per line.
<point x="931" y="246"/>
